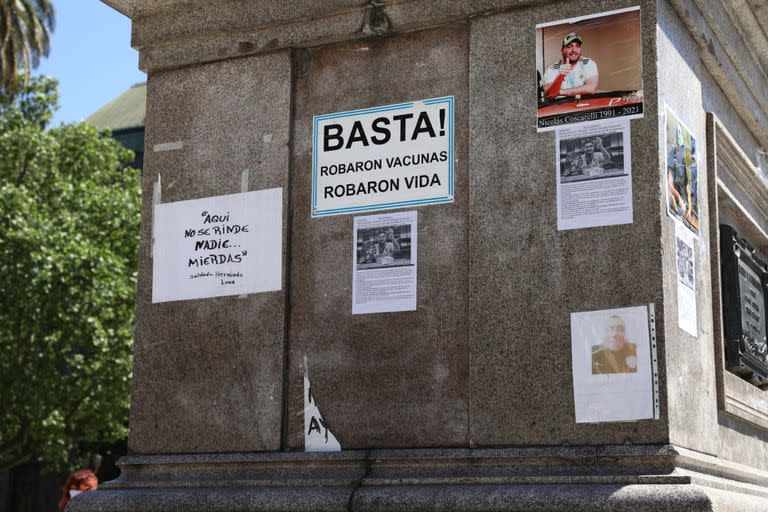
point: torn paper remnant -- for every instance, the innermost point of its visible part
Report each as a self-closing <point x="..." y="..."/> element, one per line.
<point x="317" y="436"/>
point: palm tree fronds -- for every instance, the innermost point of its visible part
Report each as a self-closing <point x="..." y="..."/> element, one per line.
<point x="25" y="34"/>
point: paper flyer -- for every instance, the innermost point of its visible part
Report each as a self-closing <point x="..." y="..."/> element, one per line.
<point x="682" y="172"/>
<point x="594" y="175"/>
<point x="317" y="436"/>
<point x="686" y="279"/>
<point x="612" y="365"/>
<point x="384" y="262"/>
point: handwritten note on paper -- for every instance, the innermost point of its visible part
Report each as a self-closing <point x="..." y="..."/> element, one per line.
<point x="218" y="246"/>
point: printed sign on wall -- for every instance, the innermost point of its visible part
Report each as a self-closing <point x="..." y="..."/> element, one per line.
<point x="682" y="172"/>
<point x="377" y="158"/>
<point x="217" y="246"/>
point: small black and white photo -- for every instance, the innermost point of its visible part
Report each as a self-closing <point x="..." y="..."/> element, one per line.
<point x="592" y="157"/>
<point x="685" y="264"/>
<point x="384" y="246"/>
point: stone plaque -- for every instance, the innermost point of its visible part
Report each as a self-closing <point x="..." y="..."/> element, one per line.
<point x="745" y="281"/>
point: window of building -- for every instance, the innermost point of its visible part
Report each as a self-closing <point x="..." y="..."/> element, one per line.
<point x="738" y="206"/>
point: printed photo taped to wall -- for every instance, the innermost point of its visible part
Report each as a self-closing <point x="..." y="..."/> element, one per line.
<point x="681" y="172"/>
<point x="384" y="157"/>
<point x="589" y="69"/>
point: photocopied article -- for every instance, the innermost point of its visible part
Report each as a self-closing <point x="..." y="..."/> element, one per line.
<point x="384" y="263"/>
<point x="594" y="175"/>
<point x="686" y="279"/>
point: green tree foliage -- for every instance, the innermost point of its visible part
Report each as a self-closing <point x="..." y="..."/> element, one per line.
<point x="25" y="31"/>
<point x="69" y="217"/>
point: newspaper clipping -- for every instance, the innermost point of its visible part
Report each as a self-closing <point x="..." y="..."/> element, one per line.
<point x="612" y="365"/>
<point x="594" y="175"/>
<point x="686" y="280"/>
<point x="384" y="263"/>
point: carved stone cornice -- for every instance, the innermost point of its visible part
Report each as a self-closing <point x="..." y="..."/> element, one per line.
<point x="174" y="33"/>
<point x="731" y="36"/>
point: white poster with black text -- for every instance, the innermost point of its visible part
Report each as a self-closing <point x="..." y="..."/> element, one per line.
<point x="384" y="263"/>
<point x="317" y="436"/>
<point x="217" y="246"/>
<point x="383" y="157"/>
<point x="594" y="175"/>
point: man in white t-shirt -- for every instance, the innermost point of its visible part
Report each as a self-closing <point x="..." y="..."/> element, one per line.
<point x="573" y="74"/>
<point x="591" y="162"/>
<point x="386" y="247"/>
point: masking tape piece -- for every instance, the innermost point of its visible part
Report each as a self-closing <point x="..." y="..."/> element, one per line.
<point x="156" y="199"/>
<point x="243" y="188"/>
<point x="168" y="146"/>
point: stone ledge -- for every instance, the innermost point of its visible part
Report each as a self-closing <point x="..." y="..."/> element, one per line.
<point x="450" y="498"/>
<point x="636" y="478"/>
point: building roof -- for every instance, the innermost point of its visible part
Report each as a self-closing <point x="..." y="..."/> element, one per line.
<point x="124" y="112"/>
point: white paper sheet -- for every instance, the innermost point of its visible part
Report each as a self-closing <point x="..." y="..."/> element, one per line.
<point x="317" y="436"/>
<point x="218" y="246"/>
<point x="594" y="175"/>
<point x="612" y="370"/>
<point x="686" y="279"/>
<point x="384" y="261"/>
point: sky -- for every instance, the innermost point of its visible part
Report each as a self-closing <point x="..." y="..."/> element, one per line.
<point x="91" y="56"/>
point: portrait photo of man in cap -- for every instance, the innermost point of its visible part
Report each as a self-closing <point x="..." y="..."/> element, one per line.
<point x="573" y="74"/>
<point x="570" y="88"/>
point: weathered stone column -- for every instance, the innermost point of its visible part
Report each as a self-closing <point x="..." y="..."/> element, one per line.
<point x="467" y="402"/>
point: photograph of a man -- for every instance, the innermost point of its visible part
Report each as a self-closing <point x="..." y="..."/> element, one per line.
<point x="615" y="354"/>
<point x="591" y="161"/>
<point x="571" y="89"/>
<point x="384" y="246"/>
<point x="613" y="360"/>
<point x="574" y="74"/>
<point x="598" y="154"/>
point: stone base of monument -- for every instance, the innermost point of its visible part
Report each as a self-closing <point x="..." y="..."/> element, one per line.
<point x="632" y="478"/>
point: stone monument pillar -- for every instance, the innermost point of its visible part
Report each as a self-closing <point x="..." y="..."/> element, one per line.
<point x="466" y="402"/>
